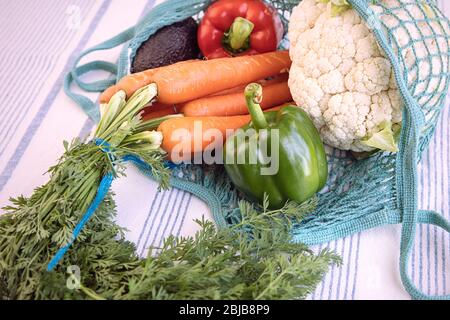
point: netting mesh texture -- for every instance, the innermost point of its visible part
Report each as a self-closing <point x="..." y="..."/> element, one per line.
<point x="360" y="194"/>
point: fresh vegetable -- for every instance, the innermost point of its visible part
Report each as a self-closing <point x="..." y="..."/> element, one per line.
<point x="157" y="110"/>
<point x="234" y="103"/>
<point x="338" y="6"/>
<point x="302" y="164"/>
<point x="131" y="83"/>
<point x="181" y="139"/>
<point x="52" y="211"/>
<point x="253" y="259"/>
<point x="282" y="77"/>
<point x="180" y="83"/>
<point x="188" y="80"/>
<point x="348" y="95"/>
<point x="386" y="138"/>
<point x="239" y="27"/>
<point x="170" y="44"/>
<point x="189" y="133"/>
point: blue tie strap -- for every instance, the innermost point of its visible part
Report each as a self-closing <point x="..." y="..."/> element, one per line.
<point x="102" y="191"/>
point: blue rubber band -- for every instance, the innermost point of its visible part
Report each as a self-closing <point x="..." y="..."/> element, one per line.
<point x="102" y="191"/>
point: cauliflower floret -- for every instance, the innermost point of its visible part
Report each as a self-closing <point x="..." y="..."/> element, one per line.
<point x="345" y="119"/>
<point x="370" y="76"/>
<point x="341" y="77"/>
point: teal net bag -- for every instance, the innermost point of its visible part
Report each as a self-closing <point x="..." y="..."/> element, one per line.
<point x="360" y="194"/>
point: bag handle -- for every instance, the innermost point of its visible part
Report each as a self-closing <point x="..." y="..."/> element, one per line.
<point x="406" y="166"/>
<point x="88" y="106"/>
<point x="159" y="16"/>
<point x="85" y="103"/>
<point x="101" y="85"/>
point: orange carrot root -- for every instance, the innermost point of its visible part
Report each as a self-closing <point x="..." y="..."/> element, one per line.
<point x="234" y="103"/>
<point x="158" y="110"/>
<point x="186" y="82"/>
<point x="131" y="83"/>
<point x="185" y="136"/>
<point x="190" y="80"/>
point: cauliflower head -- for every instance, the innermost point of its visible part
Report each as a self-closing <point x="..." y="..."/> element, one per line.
<point x="341" y="77"/>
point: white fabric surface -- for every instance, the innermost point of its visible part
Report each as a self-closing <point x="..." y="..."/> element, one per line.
<point x="39" y="41"/>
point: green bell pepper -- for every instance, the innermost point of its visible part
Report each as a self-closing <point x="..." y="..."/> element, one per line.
<point x="288" y="137"/>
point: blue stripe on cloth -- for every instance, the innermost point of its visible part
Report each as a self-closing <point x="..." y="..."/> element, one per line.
<point x="15" y="113"/>
<point x="433" y="230"/>
<point x="437" y="207"/>
<point x="343" y="273"/>
<point x="144" y="227"/>
<point x="313" y="296"/>
<point x="8" y="9"/>
<point x="327" y="276"/>
<point x="152" y="232"/>
<point x="338" y="289"/>
<point x="423" y="234"/>
<point x="443" y="147"/>
<point x="17" y="13"/>
<point x="413" y="262"/>
<point x="188" y="202"/>
<point x="420" y="233"/>
<point x="356" y="266"/>
<point x="168" y="221"/>
<point x="9" y="107"/>
<point x="347" y="280"/>
<point x="40" y="63"/>
<point x="35" y="40"/>
<point x="165" y="216"/>
<point x="446" y="197"/>
<point x="178" y="212"/>
<point x="43" y="110"/>
<point x="10" y="86"/>
<point x="428" y="260"/>
<point x="445" y="162"/>
<point x="38" y="41"/>
<point x="333" y="270"/>
<point x="152" y="221"/>
<point x="352" y="262"/>
<point x="13" y="24"/>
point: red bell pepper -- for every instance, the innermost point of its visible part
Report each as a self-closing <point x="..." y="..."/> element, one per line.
<point x="239" y="27"/>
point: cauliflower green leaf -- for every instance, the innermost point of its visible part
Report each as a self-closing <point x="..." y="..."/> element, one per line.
<point x="386" y="138"/>
<point x="337" y="6"/>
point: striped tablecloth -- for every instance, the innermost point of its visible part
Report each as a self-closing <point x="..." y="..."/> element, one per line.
<point x="39" y="41"/>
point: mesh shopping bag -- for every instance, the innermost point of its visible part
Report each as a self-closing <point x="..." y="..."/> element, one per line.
<point x="360" y="194"/>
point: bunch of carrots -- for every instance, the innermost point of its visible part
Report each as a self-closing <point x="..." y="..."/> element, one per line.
<point x="209" y="91"/>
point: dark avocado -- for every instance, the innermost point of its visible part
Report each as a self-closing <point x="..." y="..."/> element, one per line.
<point x="170" y="44"/>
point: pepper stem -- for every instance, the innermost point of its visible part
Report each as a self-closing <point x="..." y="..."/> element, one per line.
<point x="237" y="38"/>
<point x="253" y="97"/>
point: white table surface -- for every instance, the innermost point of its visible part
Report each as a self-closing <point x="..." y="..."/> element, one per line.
<point x="39" y="41"/>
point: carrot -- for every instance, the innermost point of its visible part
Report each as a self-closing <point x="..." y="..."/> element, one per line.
<point x="189" y="80"/>
<point x="181" y="135"/>
<point x="180" y="83"/>
<point x="157" y="110"/>
<point x="265" y="82"/>
<point x="234" y="103"/>
<point x="291" y="103"/>
<point x="131" y="83"/>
